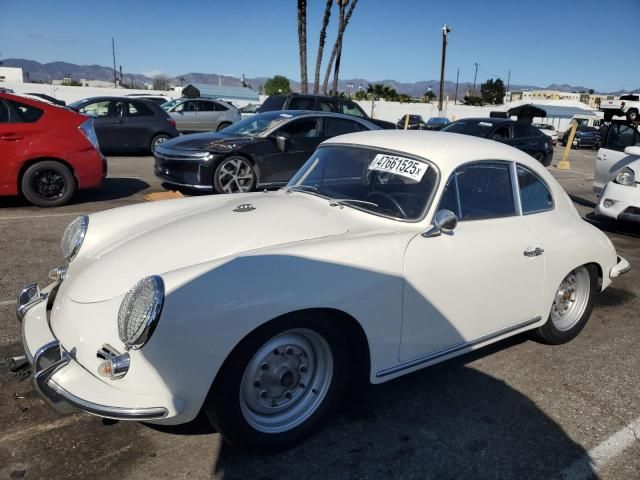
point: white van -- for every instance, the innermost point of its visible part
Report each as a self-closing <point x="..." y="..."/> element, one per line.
<point x="587" y="120"/>
<point x="611" y="157"/>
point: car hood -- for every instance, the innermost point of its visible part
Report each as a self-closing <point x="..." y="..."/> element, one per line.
<point x="132" y="242"/>
<point x="205" y="141"/>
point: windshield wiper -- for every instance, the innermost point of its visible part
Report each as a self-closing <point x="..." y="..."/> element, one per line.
<point x="302" y="188"/>
<point x="346" y="201"/>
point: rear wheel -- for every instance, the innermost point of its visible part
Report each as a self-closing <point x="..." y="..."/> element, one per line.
<point x="48" y="184"/>
<point x="223" y="125"/>
<point x="278" y="383"/>
<point x="234" y="175"/>
<point x="632" y="115"/>
<point x="571" y="307"/>
<point x="158" y="140"/>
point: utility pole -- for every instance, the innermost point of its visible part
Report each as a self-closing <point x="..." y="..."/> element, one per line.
<point x="121" y="77"/>
<point x="473" y="92"/>
<point x="455" y="101"/>
<point x="115" y="73"/>
<point x="445" y="29"/>
<point x="508" y="85"/>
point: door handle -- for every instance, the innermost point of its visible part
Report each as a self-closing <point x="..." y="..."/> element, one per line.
<point x="10" y="137"/>
<point x="533" y="252"/>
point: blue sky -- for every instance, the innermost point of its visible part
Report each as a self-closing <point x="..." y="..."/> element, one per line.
<point x="542" y="42"/>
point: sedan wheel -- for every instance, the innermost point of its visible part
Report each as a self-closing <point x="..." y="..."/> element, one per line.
<point x="572" y="305"/>
<point x="48" y="184"/>
<point x="234" y="175"/>
<point x="158" y="140"/>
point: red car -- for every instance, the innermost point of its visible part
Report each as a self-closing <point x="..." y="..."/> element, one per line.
<point x="47" y="152"/>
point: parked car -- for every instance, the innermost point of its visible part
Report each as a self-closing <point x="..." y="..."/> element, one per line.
<point x="627" y="106"/>
<point x="261" y="151"/>
<point x="201" y="114"/>
<point x="416" y="122"/>
<point x="593" y="119"/>
<point x="47" y="153"/>
<point x="517" y="134"/>
<point x="620" y="199"/>
<point x="612" y="157"/>
<point x="436" y="123"/>
<point x="387" y="252"/>
<point x="49" y="98"/>
<point x="249" y="110"/>
<point x="584" y="137"/>
<point x="126" y="124"/>
<point x="159" y="99"/>
<point x="324" y="103"/>
<point x="549" y="130"/>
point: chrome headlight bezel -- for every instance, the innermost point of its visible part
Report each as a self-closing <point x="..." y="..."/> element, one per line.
<point x="73" y="237"/>
<point x="626" y="177"/>
<point x="143" y="305"/>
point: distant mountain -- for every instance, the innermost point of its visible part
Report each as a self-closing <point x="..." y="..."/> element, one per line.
<point x="45" y="72"/>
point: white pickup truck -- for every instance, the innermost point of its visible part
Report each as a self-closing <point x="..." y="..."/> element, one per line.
<point x="627" y="105"/>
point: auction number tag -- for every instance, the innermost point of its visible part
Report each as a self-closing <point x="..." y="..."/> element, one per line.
<point x="405" y="167"/>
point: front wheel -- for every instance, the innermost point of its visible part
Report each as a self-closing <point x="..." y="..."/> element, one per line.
<point x="222" y="126"/>
<point x="48" y="184"/>
<point x="278" y="383"/>
<point x="234" y="175"/>
<point x="158" y="140"/>
<point x="571" y="307"/>
<point x="632" y="115"/>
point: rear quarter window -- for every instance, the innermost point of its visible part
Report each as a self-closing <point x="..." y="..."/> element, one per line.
<point x="274" y="102"/>
<point x="26" y="113"/>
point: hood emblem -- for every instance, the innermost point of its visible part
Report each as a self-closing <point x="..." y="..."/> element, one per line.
<point x="245" y="207"/>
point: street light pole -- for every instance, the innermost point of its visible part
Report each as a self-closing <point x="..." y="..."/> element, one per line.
<point x="445" y="29"/>
<point x="455" y="101"/>
<point x="473" y="92"/>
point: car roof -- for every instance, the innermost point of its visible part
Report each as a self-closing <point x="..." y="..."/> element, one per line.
<point x="495" y="120"/>
<point x="447" y="150"/>
<point x="319" y="113"/>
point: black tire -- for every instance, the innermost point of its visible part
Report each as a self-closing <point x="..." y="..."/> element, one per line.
<point x="632" y="115"/>
<point x="157" y="140"/>
<point x="243" y="167"/>
<point x="223" y="403"/>
<point x="540" y="157"/>
<point x="550" y="334"/>
<point x="223" y="125"/>
<point x="48" y="184"/>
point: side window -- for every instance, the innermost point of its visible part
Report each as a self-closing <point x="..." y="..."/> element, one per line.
<point x="449" y="199"/>
<point x="621" y="136"/>
<point x="301" y="103"/>
<point x="534" y="194"/>
<point x="521" y="130"/>
<point x="26" y="113"/>
<point x="306" y="127"/>
<point x="4" y="112"/>
<point x="485" y="191"/>
<point x="96" y="109"/>
<point x="219" y="107"/>
<point x="339" y="126"/>
<point x="350" y="108"/>
<point x="501" y="133"/>
<point x="190" y="107"/>
<point x="204" y="106"/>
<point x="325" y="106"/>
<point x="138" y="109"/>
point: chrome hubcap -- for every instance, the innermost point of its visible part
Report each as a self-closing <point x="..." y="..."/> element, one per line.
<point x="571" y="299"/>
<point x="235" y="175"/>
<point x="286" y="381"/>
<point x="158" y="141"/>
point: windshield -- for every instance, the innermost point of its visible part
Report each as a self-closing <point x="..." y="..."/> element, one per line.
<point x="78" y="104"/>
<point x="368" y="179"/>
<point x="257" y="124"/>
<point x="171" y="103"/>
<point x="478" y="128"/>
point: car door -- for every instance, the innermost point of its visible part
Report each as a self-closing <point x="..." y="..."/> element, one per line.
<point x="611" y="157"/>
<point x="301" y="137"/>
<point x="478" y="282"/>
<point x="186" y="116"/>
<point x="138" y="125"/>
<point x="108" y="124"/>
<point x="208" y="115"/>
<point x="18" y="123"/>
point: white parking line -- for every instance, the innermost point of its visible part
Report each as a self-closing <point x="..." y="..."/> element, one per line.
<point x="30" y="217"/>
<point x="7" y="302"/>
<point x="599" y="456"/>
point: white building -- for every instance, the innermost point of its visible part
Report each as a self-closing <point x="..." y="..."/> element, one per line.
<point x="10" y="74"/>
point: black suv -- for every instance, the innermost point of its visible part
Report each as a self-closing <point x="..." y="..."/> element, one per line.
<point x="319" y="103"/>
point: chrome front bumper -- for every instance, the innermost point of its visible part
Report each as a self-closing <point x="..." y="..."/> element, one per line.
<point x="620" y="268"/>
<point x="50" y="358"/>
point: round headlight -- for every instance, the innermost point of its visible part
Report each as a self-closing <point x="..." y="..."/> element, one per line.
<point x="140" y="311"/>
<point x="73" y="237"/>
<point x="627" y="177"/>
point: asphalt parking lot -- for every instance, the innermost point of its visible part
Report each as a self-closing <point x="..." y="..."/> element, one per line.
<point x="518" y="409"/>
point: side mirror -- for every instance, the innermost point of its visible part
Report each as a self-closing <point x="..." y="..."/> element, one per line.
<point x="444" y="221"/>
<point x="635" y="151"/>
<point x="281" y="142"/>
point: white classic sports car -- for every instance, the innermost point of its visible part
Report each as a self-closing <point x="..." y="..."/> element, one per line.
<point x="387" y="252"/>
<point x="620" y="198"/>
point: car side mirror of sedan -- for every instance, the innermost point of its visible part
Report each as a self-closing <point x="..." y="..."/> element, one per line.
<point x="445" y="221"/>
<point x="635" y="151"/>
<point x="281" y="142"/>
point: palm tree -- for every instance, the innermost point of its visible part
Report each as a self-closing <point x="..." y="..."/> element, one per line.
<point x="302" y="43"/>
<point x="376" y="90"/>
<point x="323" y="38"/>
<point x="344" y="20"/>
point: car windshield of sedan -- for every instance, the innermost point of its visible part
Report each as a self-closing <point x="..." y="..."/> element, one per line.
<point x="171" y="103"/>
<point x="477" y="128"/>
<point x="389" y="184"/>
<point x="257" y="124"/>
